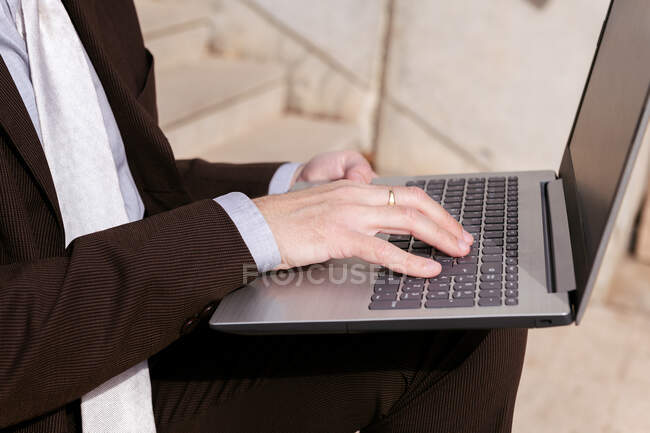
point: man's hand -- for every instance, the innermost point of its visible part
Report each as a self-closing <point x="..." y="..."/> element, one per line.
<point x="340" y="220"/>
<point x="336" y="165"/>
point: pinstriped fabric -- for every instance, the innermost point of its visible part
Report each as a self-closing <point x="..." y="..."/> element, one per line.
<point x="140" y="282"/>
<point x="447" y="382"/>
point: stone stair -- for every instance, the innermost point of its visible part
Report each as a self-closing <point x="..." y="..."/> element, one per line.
<point x="226" y="109"/>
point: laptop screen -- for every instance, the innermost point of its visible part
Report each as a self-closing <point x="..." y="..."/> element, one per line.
<point x="606" y="136"/>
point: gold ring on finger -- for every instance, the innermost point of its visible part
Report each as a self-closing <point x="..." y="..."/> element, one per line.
<point x="391" y="197"/>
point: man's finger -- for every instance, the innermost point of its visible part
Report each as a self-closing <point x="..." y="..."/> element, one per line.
<point x="415" y="198"/>
<point x="380" y="252"/>
<point x="360" y="173"/>
<point x="389" y="219"/>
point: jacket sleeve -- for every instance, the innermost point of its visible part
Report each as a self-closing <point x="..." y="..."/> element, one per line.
<point x="204" y="179"/>
<point x="68" y="324"/>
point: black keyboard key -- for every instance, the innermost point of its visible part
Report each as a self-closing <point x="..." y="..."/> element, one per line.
<point x="411" y="296"/>
<point x="512" y="301"/>
<point x="444" y="303"/>
<point x="474" y="199"/>
<point x="394" y="305"/>
<point x="438" y="294"/>
<point x="414" y="280"/>
<point x="496" y="258"/>
<point x="494" y="220"/>
<point x="511" y="247"/>
<point x="490" y="277"/>
<point x="417" y="244"/>
<point x="512" y="233"/>
<point x="473" y="252"/>
<point x="500" y="207"/>
<point x="413" y="289"/>
<point x="464" y="286"/>
<point x="401" y="244"/>
<point x="489" y="302"/>
<point x="399" y="238"/>
<point x="456" y="182"/>
<point x="454" y="193"/>
<point x="449" y="199"/>
<point x="437" y="181"/>
<point x="495" y="200"/>
<point x="491" y="285"/>
<point x="491" y="268"/>
<point x="418" y="183"/>
<point x="472" y="215"/>
<point x="464" y="294"/>
<point x="476" y="180"/>
<point x="384" y="297"/>
<point x="494" y="227"/>
<point x="493" y="235"/>
<point x="471" y="202"/>
<point x="388" y="280"/>
<point x="468" y="259"/>
<point x="512" y="293"/>
<point x="440" y="279"/>
<point x="512" y="240"/>
<point x="473" y="229"/>
<point x="494" y="213"/>
<point x="511" y="261"/>
<point x="512" y="227"/>
<point x="473" y="208"/>
<point x="512" y="277"/>
<point x="512" y="254"/>
<point x="386" y="289"/>
<point x="454" y="211"/>
<point x="435" y="286"/>
<point x="497" y="179"/>
<point x="491" y="293"/>
<point x="471" y="221"/>
<point x="512" y="220"/>
<point x="460" y="269"/>
<point x="465" y="279"/>
<point x="492" y="250"/>
<point x="496" y="195"/>
<point x="493" y="242"/>
<point x="513" y="285"/>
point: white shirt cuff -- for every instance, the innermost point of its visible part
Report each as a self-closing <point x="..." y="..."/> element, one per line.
<point x="281" y="180"/>
<point x="253" y="229"/>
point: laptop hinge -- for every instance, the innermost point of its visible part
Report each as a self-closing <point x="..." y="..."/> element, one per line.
<point x="558" y="240"/>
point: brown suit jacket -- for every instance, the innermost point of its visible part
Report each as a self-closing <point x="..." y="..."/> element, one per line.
<point x="72" y="318"/>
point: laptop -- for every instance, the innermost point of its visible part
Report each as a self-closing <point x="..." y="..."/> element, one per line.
<point x="540" y="237"/>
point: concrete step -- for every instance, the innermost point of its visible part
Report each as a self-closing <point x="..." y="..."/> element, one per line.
<point x="206" y="103"/>
<point x="175" y="32"/>
<point x="289" y="138"/>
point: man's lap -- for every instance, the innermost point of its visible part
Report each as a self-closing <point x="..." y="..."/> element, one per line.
<point x="210" y="381"/>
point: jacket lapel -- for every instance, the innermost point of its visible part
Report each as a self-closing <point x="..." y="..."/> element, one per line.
<point x="15" y="120"/>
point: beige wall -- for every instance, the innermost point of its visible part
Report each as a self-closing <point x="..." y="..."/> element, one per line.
<point x="457" y="85"/>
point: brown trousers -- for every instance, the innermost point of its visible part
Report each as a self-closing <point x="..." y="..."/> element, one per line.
<point x="447" y="382"/>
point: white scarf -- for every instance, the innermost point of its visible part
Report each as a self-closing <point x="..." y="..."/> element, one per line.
<point x="78" y="153"/>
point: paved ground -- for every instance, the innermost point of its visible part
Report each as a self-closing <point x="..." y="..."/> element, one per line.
<point x="593" y="378"/>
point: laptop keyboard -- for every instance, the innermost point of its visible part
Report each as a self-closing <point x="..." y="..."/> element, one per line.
<point x="487" y="276"/>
